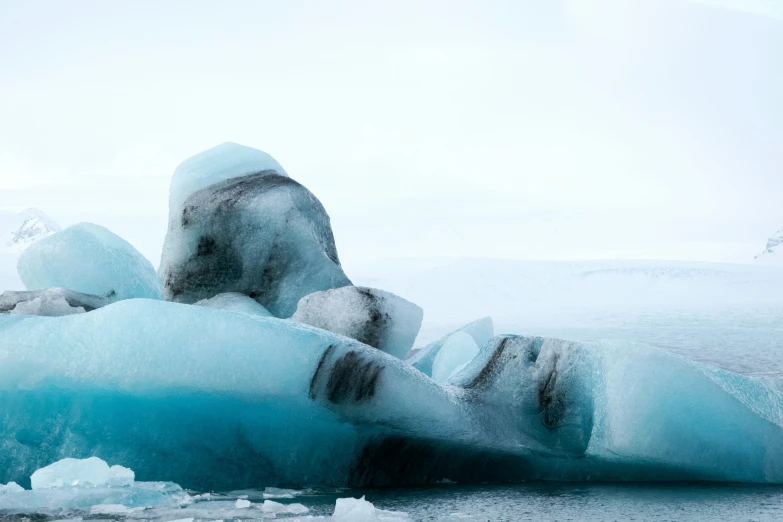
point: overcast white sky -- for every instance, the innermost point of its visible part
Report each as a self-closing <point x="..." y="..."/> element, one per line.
<point x="551" y="129"/>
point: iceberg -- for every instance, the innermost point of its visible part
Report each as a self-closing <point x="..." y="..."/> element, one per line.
<point x="89" y="259"/>
<point x="219" y="401"/>
<point x="376" y="318"/>
<point x="238" y="223"/>
<point x="423" y="359"/>
<point x="52" y="302"/>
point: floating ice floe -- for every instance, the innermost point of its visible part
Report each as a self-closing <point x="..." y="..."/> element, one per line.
<point x="90" y="472"/>
<point x="88" y="485"/>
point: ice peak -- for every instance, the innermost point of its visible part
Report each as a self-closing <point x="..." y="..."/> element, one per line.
<point x="32" y="225"/>
<point x="774" y="249"/>
<point x="225" y="161"/>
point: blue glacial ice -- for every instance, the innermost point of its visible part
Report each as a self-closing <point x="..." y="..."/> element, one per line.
<point x="423" y="359"/>
<point x="240" y="224"/>
<point x="376" y="318"/>
<point x="457" y="351"/>
<point x="90" y="259"/>
<point x="212" y="399"/>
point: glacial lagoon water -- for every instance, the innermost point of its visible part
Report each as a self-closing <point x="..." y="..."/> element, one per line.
<point x="577" y="502"/>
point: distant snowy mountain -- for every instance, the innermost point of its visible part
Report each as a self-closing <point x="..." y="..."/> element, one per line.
<point x="31" y="225"/>
<point x="17" y="232"/>
<point x="773" y="254"/>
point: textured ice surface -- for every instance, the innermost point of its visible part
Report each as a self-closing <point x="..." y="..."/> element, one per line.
<point x="234" y="302"/>
<point x="90" y="259"/>
<point x="85" y="472"/>
<point x="374" y="317"/>
<point x="290" y="405"/>
<point x="52" y="302"/>
<point x="360" y="510"/>
<point x="256" y="232"/>
<point x="423" y="359"/>
<point x="457" y="351"/>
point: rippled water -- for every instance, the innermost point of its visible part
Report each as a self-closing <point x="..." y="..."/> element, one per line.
<point x="530" y="501"/>
<point x="580" y="502"/>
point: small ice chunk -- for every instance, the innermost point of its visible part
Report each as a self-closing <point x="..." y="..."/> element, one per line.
<point x="90" y="259"/>
<point x="242" y="503"/>
<point x="235" y="302"/>
<point x="270" y="506"/>
<point x="296" y="509"/>
<point x="360" y="510"/>
<point x="81" y="473"/>
<point x="377" y="318"/>
<point x="11" y="487"/>
<point x="457" y="351"/>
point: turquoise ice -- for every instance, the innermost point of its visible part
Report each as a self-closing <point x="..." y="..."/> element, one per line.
<point x="213" y="399"/>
